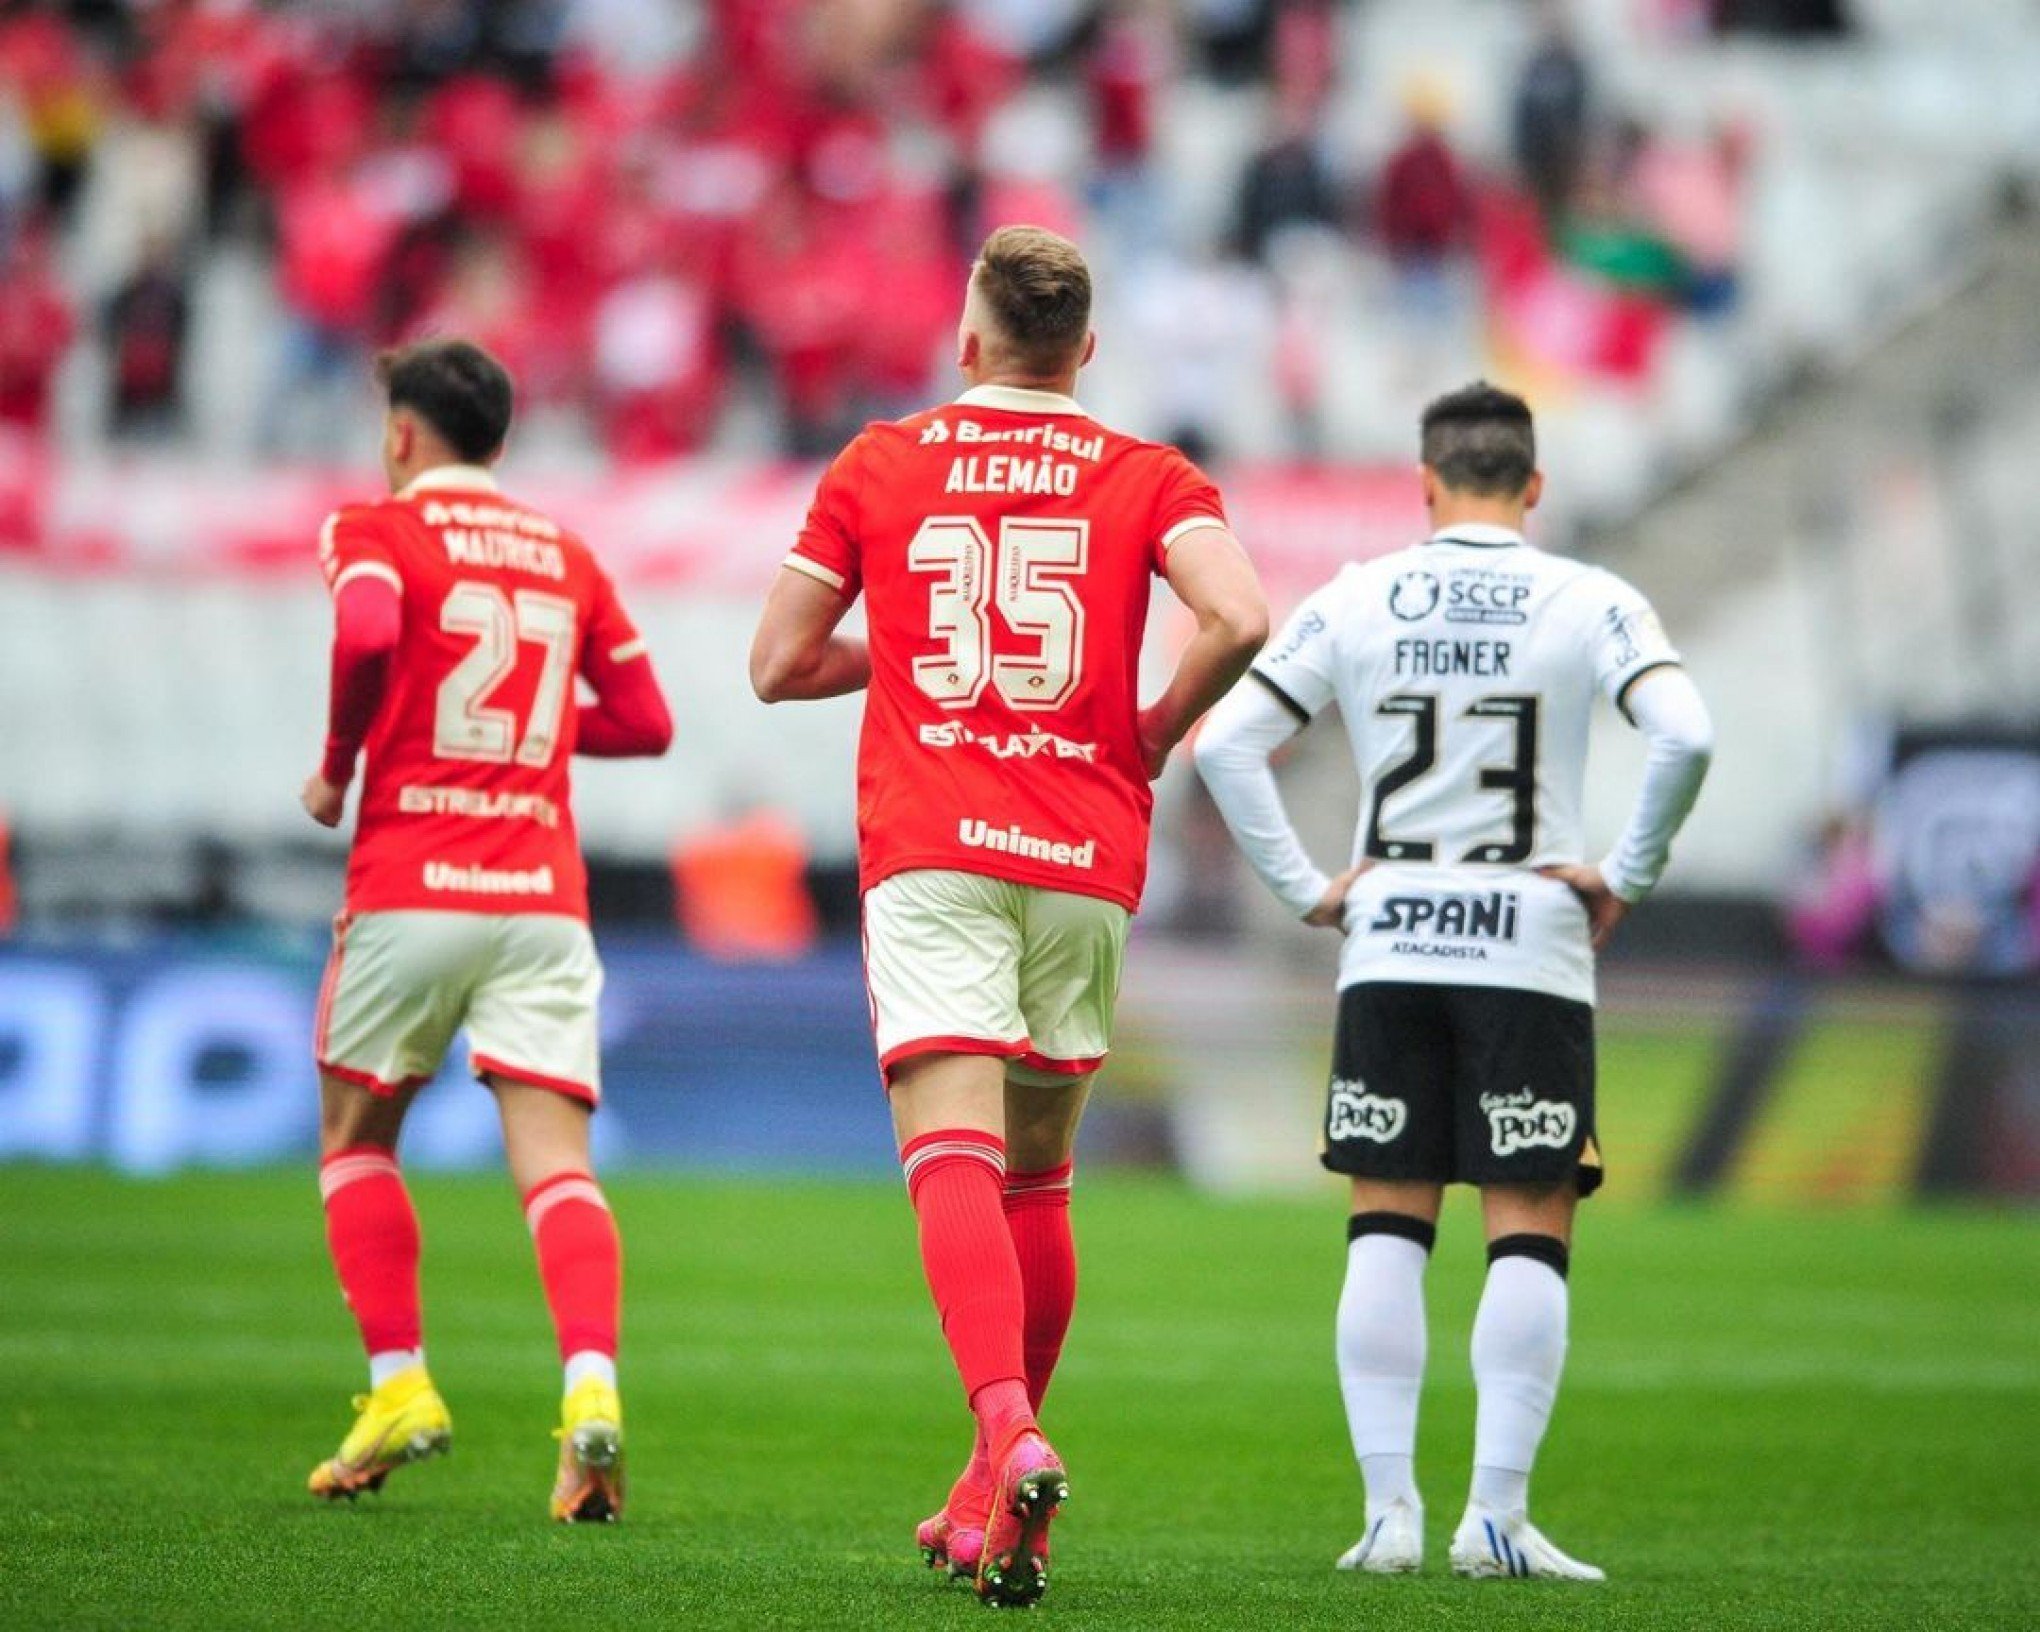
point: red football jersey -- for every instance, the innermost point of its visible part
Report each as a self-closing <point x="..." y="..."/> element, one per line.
<point x="1004" y="545"/>
<point x="465" y="801"/>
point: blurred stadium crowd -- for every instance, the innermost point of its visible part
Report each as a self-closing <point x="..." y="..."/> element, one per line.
<point x="713" y="236"/>
<point x="1761" y="265"/>
<point x="740" y="224"/>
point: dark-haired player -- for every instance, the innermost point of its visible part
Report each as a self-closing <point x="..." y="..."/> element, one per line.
<point x="462" y="623"/>
<point x="1465" y="669"/>
<point x="1004" y="546"/>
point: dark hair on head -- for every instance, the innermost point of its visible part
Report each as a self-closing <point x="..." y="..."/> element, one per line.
<point x="1038" y="289"/>
<point x="455" y="387"/>
<point x="1481" y="441"/>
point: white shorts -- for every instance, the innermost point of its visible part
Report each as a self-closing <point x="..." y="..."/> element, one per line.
<point x="400" y="984"/>
<point x="961" y="963"/>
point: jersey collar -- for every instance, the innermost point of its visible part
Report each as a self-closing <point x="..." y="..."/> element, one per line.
<point x="1020" y="399"/>
<point x="466" y="478"/>
<point x="1480" y="535"/>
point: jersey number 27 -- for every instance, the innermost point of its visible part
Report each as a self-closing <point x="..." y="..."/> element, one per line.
<point x="465" y="725"/>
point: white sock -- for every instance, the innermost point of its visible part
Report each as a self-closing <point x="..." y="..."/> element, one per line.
<point x="382" y="1367"/>
<point x="1381" y="1362"/>
<point x="1518" y="1353"/>
<point x="586" y="1363"/>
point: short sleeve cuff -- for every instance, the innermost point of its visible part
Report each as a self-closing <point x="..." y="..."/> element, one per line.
<point x="1274" y="689"/>
<point x="1189" y="524"/>
<point x="815" y="570"/>
<point x="368" y="569"/>
<point x="1668" y="660"/>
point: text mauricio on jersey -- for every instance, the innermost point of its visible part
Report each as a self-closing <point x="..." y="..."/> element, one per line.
<point x="465" y="805"/>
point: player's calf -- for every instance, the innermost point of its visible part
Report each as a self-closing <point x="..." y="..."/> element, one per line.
<point x="580" y="1262"/>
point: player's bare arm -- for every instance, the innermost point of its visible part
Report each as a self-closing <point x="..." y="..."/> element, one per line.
<point x="1666" y="706"/>
<point x="1212" y="576"/>
<point x="796" y="655"/>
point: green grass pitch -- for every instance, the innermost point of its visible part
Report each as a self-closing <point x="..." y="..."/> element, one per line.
<point x="1771" y="1420"/>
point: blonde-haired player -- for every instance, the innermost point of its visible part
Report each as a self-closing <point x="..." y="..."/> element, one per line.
<point x="1004" y="546"/>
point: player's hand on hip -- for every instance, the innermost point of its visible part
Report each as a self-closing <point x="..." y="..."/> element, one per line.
<point x="322" y="801"/>
<point x="1330" y="912"/>
<point x="1157" y="742"/>
<point x="1605" y="909"/>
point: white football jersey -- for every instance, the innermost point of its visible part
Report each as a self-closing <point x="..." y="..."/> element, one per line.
<point x="1466" y="668"/>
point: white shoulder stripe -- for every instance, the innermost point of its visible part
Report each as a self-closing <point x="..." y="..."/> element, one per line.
<point x="369" y="569"/>
<point x="628" y="650"/>
<point x="1190" y="524"/>
<point x="815" y="570"/>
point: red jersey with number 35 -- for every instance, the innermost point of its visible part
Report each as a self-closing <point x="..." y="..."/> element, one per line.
<point x="1005" y="545"/>
<point x="465" y="800"/>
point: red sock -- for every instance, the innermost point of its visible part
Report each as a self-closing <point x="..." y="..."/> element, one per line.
<point x="373" y="1236"/>
<point x="954" y="1178"/>
<point x="580" y="1260"/>
<point x="1038" y="1215"/>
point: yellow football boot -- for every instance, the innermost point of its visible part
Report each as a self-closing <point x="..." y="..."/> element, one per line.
<point x="405" y="1420"/>
<point x="589" y="1489"/>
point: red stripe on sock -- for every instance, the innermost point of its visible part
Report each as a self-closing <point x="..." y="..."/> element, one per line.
<point x="580" y="1260"/>
<point x="372" y="1234"/>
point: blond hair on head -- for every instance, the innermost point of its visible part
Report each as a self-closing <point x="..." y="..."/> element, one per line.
<point x="1036" y="288"/>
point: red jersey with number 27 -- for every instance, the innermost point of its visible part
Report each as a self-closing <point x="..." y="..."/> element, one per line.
<point x="1005" y="545"/>
<point x="465" y="800"/>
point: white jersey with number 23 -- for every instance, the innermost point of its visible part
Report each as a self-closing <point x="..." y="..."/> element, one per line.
<point x="1466" y="669"/>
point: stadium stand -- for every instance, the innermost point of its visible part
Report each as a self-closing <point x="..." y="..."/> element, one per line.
<point x="716" y="246"/>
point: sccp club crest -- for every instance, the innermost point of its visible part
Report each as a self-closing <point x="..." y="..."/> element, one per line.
<point x="1413" y="595"/>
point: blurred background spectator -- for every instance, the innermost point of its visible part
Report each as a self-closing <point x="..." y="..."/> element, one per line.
<point x="145" y="326"/>
<point x="738" y="225"/>
<point x="35" y="329"/>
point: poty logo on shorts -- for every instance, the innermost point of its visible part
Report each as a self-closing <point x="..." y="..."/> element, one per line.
<point x="1520" y="1121"/>
<point x="1357" y="1114"/>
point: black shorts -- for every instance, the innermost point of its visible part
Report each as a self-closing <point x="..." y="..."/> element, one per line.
<point x="1467" y="1084"/>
